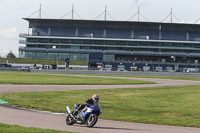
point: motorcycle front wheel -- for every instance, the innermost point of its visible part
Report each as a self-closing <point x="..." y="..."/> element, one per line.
<point x="91" y="121"/>
<point x="69" y="120"/>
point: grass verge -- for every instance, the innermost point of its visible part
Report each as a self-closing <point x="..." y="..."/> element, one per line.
<point x="30" y="78"/>
<point x="160" y="77"/>
<point x="5" y="128"/>
<point x="177" y="105"/>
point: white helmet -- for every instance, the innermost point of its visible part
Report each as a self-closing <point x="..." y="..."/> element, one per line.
<point x="96" y="98"/>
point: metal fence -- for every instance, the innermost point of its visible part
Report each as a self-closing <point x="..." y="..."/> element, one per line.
<point x="134" y="73"/>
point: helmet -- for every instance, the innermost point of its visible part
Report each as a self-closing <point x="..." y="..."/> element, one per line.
<point x="95" y="98"/>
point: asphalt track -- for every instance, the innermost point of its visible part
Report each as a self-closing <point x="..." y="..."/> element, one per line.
<point x="55" y="121"/>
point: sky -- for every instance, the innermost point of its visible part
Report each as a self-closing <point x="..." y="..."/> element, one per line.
<point x="12" y="12"/>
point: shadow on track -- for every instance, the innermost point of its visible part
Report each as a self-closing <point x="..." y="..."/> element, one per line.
<point x="114" y="128"/>
<point x="107" y="128"/>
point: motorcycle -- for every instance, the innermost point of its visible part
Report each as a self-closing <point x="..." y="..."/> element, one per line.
<point x="88" y="115"/>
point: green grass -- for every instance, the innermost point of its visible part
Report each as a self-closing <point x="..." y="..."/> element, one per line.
<point x="36" y="78"/>
<point x="160" y="105"/>
<point x="41" y="61"/>
<point x="159" y="77"/>
<point x="5" y="128"/>
<point x="136" y="76"/>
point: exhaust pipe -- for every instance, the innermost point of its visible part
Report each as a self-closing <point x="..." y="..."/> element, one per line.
<point x="68" y="109"/>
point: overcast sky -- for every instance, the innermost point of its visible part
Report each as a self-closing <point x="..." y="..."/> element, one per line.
<point x="12" y="12"/>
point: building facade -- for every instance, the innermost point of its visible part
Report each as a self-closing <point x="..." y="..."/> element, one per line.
<point x="117" y="41"/>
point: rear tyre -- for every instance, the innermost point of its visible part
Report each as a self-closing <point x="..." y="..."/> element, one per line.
<point x="91" y="121"/>
<point x="69" y="120"/>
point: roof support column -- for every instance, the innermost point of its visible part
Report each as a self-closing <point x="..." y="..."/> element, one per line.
<point x="132" y="34"/>
<point x="187" y="36"/>
<point x="160" y="32"/>
<point x="104" y="33"/>
<point x="76" y="32"/>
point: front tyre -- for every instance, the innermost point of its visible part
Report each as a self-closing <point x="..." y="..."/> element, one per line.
<point x="69" y="120"/>
<point x="92" y="120"/>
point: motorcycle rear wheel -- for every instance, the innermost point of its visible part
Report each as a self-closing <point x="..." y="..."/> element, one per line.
<point x="91" y="121"/>
<point x="69" y="120"/>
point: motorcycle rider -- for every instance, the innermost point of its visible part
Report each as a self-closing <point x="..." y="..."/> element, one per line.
<point x="90" y="102"/>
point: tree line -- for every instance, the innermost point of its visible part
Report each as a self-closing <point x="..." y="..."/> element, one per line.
<point x="10" y="55"/>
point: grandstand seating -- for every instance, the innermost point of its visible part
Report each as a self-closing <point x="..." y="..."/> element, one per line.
<point x="146" y="34"/>
<point x="41" y="31"/>
<point x="194" y="36"/>
<point x="166" y="35"/>
<point x="90" y="32"/>
<point x="60" y="31"/>
<point x="115" y="33"/>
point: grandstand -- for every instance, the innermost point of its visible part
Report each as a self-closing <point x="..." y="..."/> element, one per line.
<point x="168" y="45"/>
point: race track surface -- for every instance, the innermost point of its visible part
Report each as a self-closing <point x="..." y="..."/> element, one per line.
<point x="52" y="121"/>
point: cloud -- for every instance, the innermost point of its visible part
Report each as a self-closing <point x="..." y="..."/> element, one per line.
<point x="136" y="1"/>
<point x="10" y="33"/>
<point x="20" y="8"/>
<point x="1" y="2"/>
<point x="141" y="2"/>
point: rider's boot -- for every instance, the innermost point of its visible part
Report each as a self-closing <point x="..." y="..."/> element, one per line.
<point x="75" y="112"/>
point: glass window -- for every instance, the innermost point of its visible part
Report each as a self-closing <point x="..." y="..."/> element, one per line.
<point x="63" y="46"/>
<point x="99" y="42"/>
<point x="197" y="45"/>
<point x="129" y="43"/>
<point x="84" y="57"/>
<point x="187" y="45"/>
<point x="76" y="41"/>
<point x="30" y="55"/>
<point x="41" y="55"/>
<point x="73" y="56"/>
<point x="75" y="47"/>
<point x="65" y="41"/>
<point x="21" y="54"/>
<point x="41" y="46"/>
<point x="63" y="55"/>
<point x="54" y="40"/>
<point x="43" y="40"/>
<point x="87" y="41"/>
<point x="111" y="42"/>
<point x="155" y="44"/>
<point x="85" y="47"/>
<point x="52" y="55"/>
<point x="30" y="40"/>
<point x="31" y="46"/>
<point x="121" y="42"/>
<point x="109" y="57"/>
<point x="165" y="44"/>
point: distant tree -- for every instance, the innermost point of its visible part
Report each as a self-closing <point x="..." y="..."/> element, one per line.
<point x="10" y="55"/>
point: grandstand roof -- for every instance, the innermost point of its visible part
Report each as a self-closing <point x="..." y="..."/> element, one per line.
<point x="39" y="20"/>
<point x="124" y="25"/>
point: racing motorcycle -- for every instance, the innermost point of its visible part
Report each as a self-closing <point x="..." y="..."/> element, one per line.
<point x="88" y="115"/>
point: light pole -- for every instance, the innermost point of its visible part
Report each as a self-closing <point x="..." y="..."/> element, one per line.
<point x="175" y="67"/>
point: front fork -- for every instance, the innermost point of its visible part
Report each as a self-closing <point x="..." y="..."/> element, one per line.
<point x="70" y="112"/>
